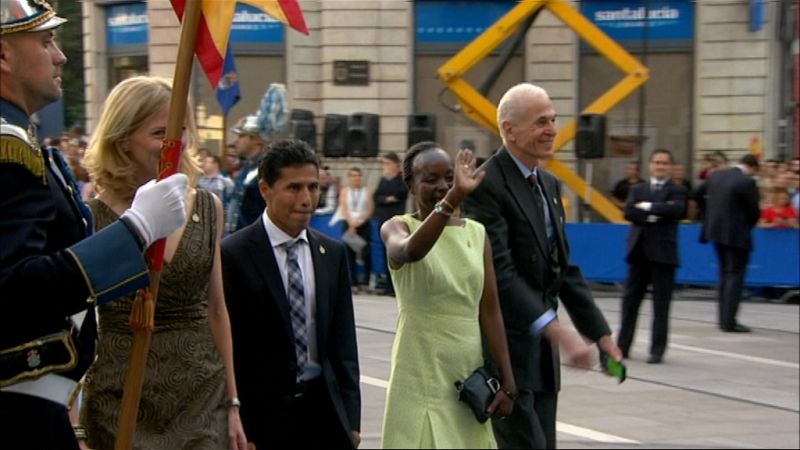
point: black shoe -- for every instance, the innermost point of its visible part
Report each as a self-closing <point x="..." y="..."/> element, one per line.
<point x="655" y="359"/>
<point x="736" y="328"/>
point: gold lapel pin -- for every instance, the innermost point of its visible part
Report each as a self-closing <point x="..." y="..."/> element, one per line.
<point x="322" y="249"/>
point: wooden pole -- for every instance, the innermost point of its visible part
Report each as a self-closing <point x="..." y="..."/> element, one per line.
<point x="170" y="153"/>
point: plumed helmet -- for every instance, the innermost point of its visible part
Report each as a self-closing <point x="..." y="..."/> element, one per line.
<point x="18" y="16"/>
<point x="247" y="125"/>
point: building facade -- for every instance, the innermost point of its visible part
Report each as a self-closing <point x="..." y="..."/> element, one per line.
<point x="720" y="72"/>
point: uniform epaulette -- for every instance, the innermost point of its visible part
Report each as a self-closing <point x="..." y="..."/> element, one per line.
<point x="16" y="149"/>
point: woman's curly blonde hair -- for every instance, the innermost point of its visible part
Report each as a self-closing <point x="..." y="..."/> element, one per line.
<point x="128" y="107"/>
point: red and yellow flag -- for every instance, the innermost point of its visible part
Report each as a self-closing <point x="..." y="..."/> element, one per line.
<point x="286" y="11"/>
<point x="215" y="27"/>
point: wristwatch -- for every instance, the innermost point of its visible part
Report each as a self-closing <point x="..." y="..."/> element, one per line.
<point x="233" y="403"/>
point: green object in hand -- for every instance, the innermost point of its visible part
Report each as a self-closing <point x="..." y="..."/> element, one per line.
<point x="613" y="367"/>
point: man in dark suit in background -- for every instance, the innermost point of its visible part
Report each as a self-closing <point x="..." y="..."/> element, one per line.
<point x="654" y="209"/>
<point x="520" y="206"/>
<point x="291" y="313"/>
<point x="729" y="204"/>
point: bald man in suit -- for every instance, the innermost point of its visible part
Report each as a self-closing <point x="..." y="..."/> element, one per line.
<point x="519" y="203"/>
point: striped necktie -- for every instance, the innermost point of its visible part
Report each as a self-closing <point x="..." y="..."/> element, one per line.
<point x="297" y="304"/>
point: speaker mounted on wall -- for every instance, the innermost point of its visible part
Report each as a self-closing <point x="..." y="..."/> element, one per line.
<point x="363" y="134"/>
<point x="334" y="142"/>
<point x="590" y="137"/>
<point x="302" y="126"/>
<point x="421" y="127"/>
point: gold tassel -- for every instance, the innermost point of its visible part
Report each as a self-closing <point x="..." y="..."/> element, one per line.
<point x="14" y="150"/>
<point x="143" y="311"/>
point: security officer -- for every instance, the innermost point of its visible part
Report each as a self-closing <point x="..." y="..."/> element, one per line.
<point x="52" y="269"/>
<point x="246" y="203"/>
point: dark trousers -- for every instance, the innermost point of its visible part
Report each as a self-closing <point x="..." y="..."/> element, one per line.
<point x="307" y="420"/>
<point x="532" y="423"/>
<point x="642" y="273"/>
<point x="732" y="266"/>
<point x="32" y="423"/>
<point x="364" y="232"/>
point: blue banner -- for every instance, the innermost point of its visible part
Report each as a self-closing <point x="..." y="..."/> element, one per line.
<point x="126" y="24"/>
<point x="756" y="14"/>
<point x="456" y="21"/>
<point x="251" y="25"/>
<point x="626" y="20"/>
<point x="775" y="260"/>
<point x="227" y="90"/>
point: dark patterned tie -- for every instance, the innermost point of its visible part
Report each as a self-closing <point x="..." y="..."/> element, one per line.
<point x="532" y="181"/>
<point x="551" y="241"/>
<point x="297" y="304"/>
<point x="537" y="193"/>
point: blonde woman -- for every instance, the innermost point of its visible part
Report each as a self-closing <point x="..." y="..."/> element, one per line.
<point x="189" y="393"/>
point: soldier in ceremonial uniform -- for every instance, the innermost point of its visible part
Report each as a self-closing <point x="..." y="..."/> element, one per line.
<point x="52" y="269"/>
<point x="246" y="203"/>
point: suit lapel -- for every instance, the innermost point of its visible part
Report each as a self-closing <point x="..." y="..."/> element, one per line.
<point x="263" y="259"/>
<point x="523" y="194"/>
<point x="321" y="262"/>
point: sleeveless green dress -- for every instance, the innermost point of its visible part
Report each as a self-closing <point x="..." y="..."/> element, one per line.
<point x="438" y="341"/>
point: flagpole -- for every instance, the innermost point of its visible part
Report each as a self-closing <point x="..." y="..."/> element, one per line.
<point x="224" y="150"/>
<point x="168" y="165"/>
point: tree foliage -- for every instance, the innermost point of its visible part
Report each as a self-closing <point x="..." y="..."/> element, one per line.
<point x="70" y="38"/>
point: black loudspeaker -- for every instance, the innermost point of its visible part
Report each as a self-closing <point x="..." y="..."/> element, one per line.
<point x="590" y="138"/>
<point x="363" y="132"/>
<point x="421" y="127"/>
<point x="302" y="126"/>
<point x="301" y="114"/>
<point x="306" y="131"/>
<point x="334" y="141"/>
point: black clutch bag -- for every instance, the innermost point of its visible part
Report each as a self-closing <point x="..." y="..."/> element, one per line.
<point x="477" y="391"/>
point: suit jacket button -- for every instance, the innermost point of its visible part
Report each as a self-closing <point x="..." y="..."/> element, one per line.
<point x="288" y="399"/>
<point x="292" y="366"/>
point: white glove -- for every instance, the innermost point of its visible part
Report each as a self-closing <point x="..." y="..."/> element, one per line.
<point x="158" y="208"/>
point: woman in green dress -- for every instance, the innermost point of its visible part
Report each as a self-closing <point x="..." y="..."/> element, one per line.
<point x="442" y="272"/>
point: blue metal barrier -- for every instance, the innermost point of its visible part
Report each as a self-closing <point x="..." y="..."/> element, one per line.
<point x="322" y="224"/>
<point x="599" y="250"/>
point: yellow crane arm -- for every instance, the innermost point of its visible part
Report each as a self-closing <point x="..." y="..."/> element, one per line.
<point x="484" y="112"/>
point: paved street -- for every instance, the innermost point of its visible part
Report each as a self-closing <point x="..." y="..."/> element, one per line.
<point x="714" y="390"/>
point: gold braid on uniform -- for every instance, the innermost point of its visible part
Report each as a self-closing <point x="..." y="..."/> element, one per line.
<point x="33" y="22"/>
<point x="16" y="151"/>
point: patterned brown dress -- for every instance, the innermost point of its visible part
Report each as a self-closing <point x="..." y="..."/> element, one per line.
<point x="182" y="405"/>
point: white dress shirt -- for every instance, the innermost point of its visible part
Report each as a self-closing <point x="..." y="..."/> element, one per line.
<point x="277" y="237"/>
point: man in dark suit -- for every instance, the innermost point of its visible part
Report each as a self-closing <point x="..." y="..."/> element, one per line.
<point x="520" y="206"/>
<point x="291" y="312"/>
<point x="729" y="204"/>
<point x="654" y="210"/>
